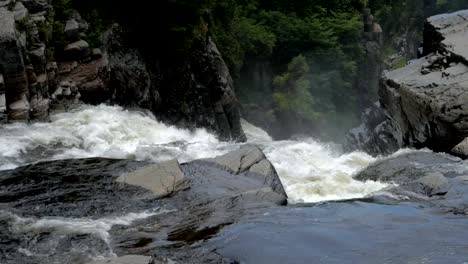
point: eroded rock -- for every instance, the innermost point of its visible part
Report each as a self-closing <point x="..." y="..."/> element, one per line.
<point x="163" y="179"/>
<point x="461" y="149"/>
<point x="425" y="102"/>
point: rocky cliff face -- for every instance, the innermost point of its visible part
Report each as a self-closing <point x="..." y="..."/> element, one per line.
<point x="195" y="92"/>
<point x="426" y="101"/>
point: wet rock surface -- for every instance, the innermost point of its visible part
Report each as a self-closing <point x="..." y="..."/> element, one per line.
<point x="227" y="210"/>
<point x="436" y="180"/>
<point x="63" y="202"/>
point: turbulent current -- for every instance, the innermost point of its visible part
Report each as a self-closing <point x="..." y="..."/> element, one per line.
<point x="310" y="170"/>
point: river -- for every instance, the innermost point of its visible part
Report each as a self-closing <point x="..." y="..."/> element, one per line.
<point x="311" y="171"/>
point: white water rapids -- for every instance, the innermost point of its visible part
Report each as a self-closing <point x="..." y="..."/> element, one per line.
<point x="311" y="171"/>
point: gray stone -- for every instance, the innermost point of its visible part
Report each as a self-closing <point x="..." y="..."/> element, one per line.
<point x="38" y="57"/>
<point x="14" y="70"/>
<point x="251" y="160"/>
<point x="425" y="103"/>
<point x="435" y="179"/>
<point x="451" y="33"/>
<point x="2" y="102"/>
<point x="128" y="259"/>
<point x="164" y="178"/>
<point x="241" y="160"/>
<point x="78" y="50"/>
<point x="377" y="135"/>
<point x="432" y="184"/>
<point x="20" y="12"/>
<point x="96" y="53"/>
<point x="72" y="30"/>
<point x="461" y="149"/>
<point x="5" y="3"/>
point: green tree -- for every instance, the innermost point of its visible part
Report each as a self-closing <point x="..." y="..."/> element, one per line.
<point x="292" y="90"/>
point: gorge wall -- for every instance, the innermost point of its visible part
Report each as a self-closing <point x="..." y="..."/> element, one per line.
<point x="38" y="76"/>
<point x="424" y="103"/>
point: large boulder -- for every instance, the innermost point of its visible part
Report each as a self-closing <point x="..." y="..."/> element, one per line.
<point x="428" y="99"/>
<point x="425" y="103"/>
<point x="461" y="149"/>
<point x="88" y="201"/>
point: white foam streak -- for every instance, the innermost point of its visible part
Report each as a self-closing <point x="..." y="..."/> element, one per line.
<point x="97" y="227"/>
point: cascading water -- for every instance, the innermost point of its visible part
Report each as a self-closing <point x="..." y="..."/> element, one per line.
<point x="311" y="171"/>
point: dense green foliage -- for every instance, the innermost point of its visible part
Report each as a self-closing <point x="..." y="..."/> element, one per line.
<point x="327" y="33"/>
<point x="292" y="92"/>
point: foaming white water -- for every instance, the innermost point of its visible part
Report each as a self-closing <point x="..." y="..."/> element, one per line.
<point x="314" y="172"/>
<point x="311" y="171"/>
<point x="103" y="131"/>
<point x="255" y="134"/>
<point x="98" y="227"/>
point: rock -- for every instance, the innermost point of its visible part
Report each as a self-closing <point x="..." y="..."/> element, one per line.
<point x="14" y="70"/>
<point x="447" y="32"/>
<point x="425" y="102"/>
<point x="206" y="62"/>
<point x="103" y="193"/>
<point x="129" y="259"/>
<point x="20" y="12"/>
<point x="377" y="134"/>
<point x="196" y="91"/>
<point x="251" y="159"/>
<point x="72" y="29"/>
<point x="96" y="53"/>
<point x="36" y="6"/>
<point x="430" y="185"/>
<point x="90" y="78"/>
<point x="78" y="50"/>
<point x="162" y="179"/>
<point x="423" y="176"/>
<point x="5" y="3"/>
<point x="2" y="95"/>
<point x="130" y="78"/>
<point x="461" y="149"/>
<point x="38" y="57"/>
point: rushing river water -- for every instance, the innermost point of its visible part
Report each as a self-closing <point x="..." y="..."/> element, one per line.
<point x="311" y="171"/>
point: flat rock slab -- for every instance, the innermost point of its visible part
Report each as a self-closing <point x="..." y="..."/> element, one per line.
<point x="453" y="29"/>
<point x="162" y="179"/>
<point x="129" y="259"/>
